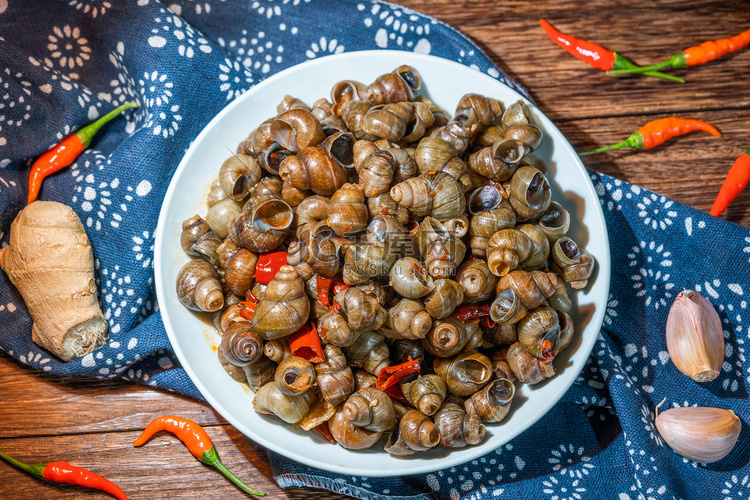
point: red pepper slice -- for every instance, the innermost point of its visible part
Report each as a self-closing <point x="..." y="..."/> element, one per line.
<point x="488" y="322"/>
<point x="396" y="393"/>
<point x="339" y="286"/>
<point x="248" y="310"/>
<point x="305" y="343"/>
<point x="324" y="289"/>
<point x="326" y="432"/>
<point x="390" y="375"/>
<point x="268" y="265"/>
<point x="335" y="307"/>
<point x="467" y="312"/>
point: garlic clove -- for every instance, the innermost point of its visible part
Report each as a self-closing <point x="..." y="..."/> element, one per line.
<point x="694" y="337"/>
<point x="704" y="435"/>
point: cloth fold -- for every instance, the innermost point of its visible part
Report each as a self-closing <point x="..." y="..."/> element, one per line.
<point x="183" y="61"/>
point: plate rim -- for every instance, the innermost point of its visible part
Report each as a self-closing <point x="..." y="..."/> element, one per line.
<point x="454" y="459"/>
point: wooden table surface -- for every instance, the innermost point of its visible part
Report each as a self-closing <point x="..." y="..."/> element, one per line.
<point x="93" y="423"/>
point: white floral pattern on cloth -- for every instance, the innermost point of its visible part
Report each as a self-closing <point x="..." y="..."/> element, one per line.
<point x="598" y="442"/>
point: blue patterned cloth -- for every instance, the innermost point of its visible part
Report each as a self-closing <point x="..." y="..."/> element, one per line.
<point x="183" y="61"/>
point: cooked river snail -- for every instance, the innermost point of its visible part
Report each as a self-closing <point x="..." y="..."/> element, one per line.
<point x="377" y="265"/>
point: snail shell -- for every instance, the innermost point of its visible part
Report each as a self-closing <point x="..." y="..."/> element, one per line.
<point x="238" y="174"/>
<point x="444" y="298"/>
<point x="199" y="240"/>
<point x="560" y="299"/>
<point x="297" y="129"/>
<point x="567" y="330"/>
<point x="271" y="157"/>
<point x="486" y="109"/>
<point x="440" y="115"/>
<point x="446" y="338"/>
<point x="349" y="435"/>
<point x="294" y="375"/>
<point x="426" y="394"/>
<point x="363" y="312"/>
<point x="239" y="272"/>
<point x="499" y="161"/>
<point x="507" y="308"/>
<point x="554" y="222"/>
<point x="492" y="403"/>
<point x="215" y="194"/>
<point x="477" y="281"/>
<point x="261" y="138"/>
<point x="409" y="319"/>
<point x="409" y="278"/>
<point x="458" y="428"/>
<point x="369" y="351"/>
<point x="371" y="409"/>
<point x="458" y="131"/>
<point x="269" y="400"/>
<point x="347" y="90"/>
<point x="531" y="287"/>
<point x="229" y="316"/>
<point x="334" y="329"/>
<point x="383" y="204"/>
<point x="262" y="225"/>
<point x="388" y="121"/>
<point x="353" y="113"/>
<point x="488" y="136"/>
<point x="529" y="193"/>
<point x="500" y="364"/>
<point x="466" y="373"/>
<point x="575" y="264"/>
<point x="518" y="112"/>
<point x="270" y="186"/>
<point x="363" y="380"/>
<point x="309" y="212"/>
<point x="335" y="377"/>
<point x="442" y="253"/>
<point x="221" y="214"/>
<point x="490" y="213"/>
<point x="402" y="350"/>
<point x="198" y="287"/>
<point x="527" y="368"/>
<point x="234" y="371"/>
<point x="347" y="212"/>
<point x="537" y="327"/>
<point x="530" y="135"/>
<point x="340" y="147"/>
<point x="415" y="432"/>
<point x="284" y="307"/>
<point x="435" y="153"/>
<point x="422" y="119"/>
<point x="525" y="245"/>
<point x="277" y="350"/>
<point x="290" y="102"/>
<point x="313" y="169"/>
<point x="365" y="261"/>
<point x="240" y="345"/>
<point x="402" y="84"/>
<point x="226" y="251"/>
<point x="259" y="373"/>
<point x="292" y="195"/>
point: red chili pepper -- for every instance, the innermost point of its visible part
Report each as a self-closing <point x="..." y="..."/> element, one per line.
<point x="547" y="352"/>
<point x="197" y="441"/>
<point x="390" y="375"/>
<point x="594" y="54"/>
<point x="335" y="307"/>
<point x="488" y="322"/>
<point x="468" y="312"/>
<point x="339" y="286"/>
<point x="268" y="265"/>
<point x="396" y="393"/>
<point x="248" y="309"/>
<point x="323" y="285"/>
<point x="737" y="178"/>
<point x="657" y="132"/>
<point x="305" y="343"/>
<point x="63" y="472"/>
<point x="700" y="54"/>
<point x="66" y="151"/>
<point x="326" y="432"/>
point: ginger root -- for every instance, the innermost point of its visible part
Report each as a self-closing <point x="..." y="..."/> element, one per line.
<point x="49" y="260"/>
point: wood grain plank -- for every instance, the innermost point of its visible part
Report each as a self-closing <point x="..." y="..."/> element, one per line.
<point x="35" y="405"/>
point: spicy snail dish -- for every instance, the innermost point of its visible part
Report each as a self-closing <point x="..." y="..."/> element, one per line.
<point x="381" y="269"/>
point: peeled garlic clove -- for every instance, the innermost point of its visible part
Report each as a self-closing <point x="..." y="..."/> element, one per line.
<point x="704" y="435"/>
<point x="694" y="337"/>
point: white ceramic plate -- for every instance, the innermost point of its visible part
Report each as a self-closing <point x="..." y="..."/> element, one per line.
<point x="194" y="340"/>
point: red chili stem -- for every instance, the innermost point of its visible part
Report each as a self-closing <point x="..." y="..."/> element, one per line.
<point x="268" y="265"/>
<point x="737" y="178"/>
<point x="390" y="375"/>
<point x="305" y="343"/>
<point x="323" y="285"/>
<point x="66" y="151"/>
<point x="198" y="442"/>
<point x="63" y="472"/>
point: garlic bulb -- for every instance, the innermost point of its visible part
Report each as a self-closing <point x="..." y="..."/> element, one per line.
<point x="694" y="337"/>
<point x="703" y="435"/>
